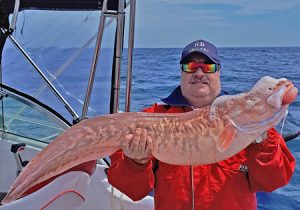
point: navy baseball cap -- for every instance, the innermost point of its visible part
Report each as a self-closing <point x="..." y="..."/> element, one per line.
<point x="200" y="46"/>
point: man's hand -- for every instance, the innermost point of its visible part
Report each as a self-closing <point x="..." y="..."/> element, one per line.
<point x="138" y="146"/>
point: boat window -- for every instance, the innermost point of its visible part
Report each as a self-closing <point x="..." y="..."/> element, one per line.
<point x="62" y="44"/>
<point x="22" y="119"/>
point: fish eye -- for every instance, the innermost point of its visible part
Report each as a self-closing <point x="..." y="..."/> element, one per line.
<point x="270" y="88"/>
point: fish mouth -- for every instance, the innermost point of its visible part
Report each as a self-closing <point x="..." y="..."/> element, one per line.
<point x="290" y="94"/>
<point x="285" y="94"/>
<point x="264" y="124"/>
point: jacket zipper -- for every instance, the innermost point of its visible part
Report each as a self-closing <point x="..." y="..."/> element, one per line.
<point x="192" y="187"/>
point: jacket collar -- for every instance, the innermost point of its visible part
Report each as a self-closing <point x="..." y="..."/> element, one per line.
<point x="176" y="98"/>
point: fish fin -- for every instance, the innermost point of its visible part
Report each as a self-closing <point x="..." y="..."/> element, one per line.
<point x="226" y="137"/>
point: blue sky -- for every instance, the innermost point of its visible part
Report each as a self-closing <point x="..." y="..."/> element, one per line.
<point x="227" y="23"/>
<point x="174" y="23"/>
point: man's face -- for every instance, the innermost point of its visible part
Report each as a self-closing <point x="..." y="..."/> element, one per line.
<point x="199" y="86"/>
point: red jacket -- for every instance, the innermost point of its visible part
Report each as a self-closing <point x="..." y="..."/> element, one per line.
<point x="230" y="184"/>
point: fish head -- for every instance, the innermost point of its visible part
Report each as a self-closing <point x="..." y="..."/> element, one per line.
<point x="264" y="106"/>
<point x="276" y="92"/>
<point x="246" y="116"/>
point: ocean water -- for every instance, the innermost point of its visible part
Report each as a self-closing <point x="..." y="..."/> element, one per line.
<point x="156" y="72"/>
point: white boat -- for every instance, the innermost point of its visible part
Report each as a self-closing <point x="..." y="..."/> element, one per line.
<point x="28" y="124"/>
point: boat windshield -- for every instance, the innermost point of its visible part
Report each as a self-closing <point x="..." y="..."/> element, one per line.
<point x="23" y="119"/>
<point x="62" y="44"/>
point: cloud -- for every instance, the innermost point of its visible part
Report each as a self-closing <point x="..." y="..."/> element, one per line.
<point x="242" y="7"/>
<point x="226" y="22"/>
<point x="267" y="6"/>
<point x="201" y="17"/>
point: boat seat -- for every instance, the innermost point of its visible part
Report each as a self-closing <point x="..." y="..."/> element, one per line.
<point x="111" y="199"/>
<point x="70" y="200"/>
<point x="65" y="192"/>
<point x="88" y="167"/>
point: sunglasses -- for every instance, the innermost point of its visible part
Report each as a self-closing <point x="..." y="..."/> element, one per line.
<point x="192" y="67"/>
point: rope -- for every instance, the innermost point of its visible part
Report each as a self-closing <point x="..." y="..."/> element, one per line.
<point x="283" y="121"/>
<point x="112" y="204"/>
<point x="122" y="201"/>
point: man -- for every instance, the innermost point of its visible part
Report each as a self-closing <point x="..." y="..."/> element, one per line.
<point x="229" y="184"/>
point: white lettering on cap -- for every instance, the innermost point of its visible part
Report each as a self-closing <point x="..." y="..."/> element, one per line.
<point x="199" y="44"/>
<point x="199" y="49"/>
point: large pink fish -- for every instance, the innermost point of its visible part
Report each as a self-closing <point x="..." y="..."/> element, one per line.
<point x="202" y="136"/>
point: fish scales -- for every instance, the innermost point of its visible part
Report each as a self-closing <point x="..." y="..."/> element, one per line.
<point x="202" y="136"/>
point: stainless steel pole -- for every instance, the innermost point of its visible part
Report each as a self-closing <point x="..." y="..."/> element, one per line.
<point x="119" y="51"/>
<point x="130" y="54"/>
<point x="95" y="60"/>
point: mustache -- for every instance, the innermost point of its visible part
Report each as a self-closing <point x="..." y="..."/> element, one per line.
<point x="195" y="80"/>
